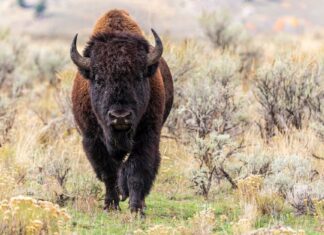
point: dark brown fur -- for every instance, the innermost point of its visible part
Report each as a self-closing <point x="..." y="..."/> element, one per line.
<point x="135" y="176"/>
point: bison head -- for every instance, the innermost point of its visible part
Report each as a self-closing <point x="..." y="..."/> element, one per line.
<point x="118" y="67"/>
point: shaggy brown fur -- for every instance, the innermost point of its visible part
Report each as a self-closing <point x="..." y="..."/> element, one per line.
<point x="116" y="33"/>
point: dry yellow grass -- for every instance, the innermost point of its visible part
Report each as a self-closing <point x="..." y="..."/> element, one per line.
<point x="43" y="146"/>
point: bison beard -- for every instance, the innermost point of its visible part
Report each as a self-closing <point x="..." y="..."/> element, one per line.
<point x="122" y="140"/>
<point x="120" y="73"/>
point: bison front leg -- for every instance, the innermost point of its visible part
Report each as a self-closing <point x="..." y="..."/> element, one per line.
<point x="138" y="173"/>
<point x="105" y="168"/>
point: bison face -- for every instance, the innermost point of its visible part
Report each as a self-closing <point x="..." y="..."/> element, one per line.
<point x="118" y="67"/>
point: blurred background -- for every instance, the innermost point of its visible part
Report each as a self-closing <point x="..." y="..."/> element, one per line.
<point x="177" y="18"/>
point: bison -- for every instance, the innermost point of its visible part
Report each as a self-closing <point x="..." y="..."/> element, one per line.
<point x="122" y="95"/>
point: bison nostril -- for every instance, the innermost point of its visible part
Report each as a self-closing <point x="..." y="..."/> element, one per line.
<point x="111" y="115"/>
<point x="120" y="118"/>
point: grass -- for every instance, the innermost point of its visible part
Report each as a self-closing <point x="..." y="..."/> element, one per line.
<point x="160" y="210"/>
<point x="178" y="209"/>
<point x="176" y="213"/>
<point x="306" y="223"/>
<point x="172" y="202"/>
<point x="43" y="143"/>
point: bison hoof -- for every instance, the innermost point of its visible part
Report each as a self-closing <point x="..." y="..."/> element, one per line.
<point x="138" y="209"/>
<point x="139" y="212"/>
<point x="111" y="205"/>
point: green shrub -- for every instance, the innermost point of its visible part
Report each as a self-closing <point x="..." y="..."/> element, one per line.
<point x="211" y="117"/>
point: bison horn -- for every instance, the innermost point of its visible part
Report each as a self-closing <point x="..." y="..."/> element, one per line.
<point x="78" y="60"/>
<point x="154" y="55"/>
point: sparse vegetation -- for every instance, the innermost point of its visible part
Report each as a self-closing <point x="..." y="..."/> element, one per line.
<point x="218" y="176"/>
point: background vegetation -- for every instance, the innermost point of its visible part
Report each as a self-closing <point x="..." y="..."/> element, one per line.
<point x="242" y="152"/>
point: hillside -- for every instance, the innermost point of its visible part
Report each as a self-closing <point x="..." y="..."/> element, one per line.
<point x="178" y="18"/>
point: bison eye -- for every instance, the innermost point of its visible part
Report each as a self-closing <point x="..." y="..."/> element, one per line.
<point x="152" y="69"/>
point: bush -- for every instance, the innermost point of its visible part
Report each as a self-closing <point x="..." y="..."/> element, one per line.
<point x="24" y="215"/>
<point x="21" y="64"/>
<point x="212" y="153"/>
<point x="270" y="203"/>
<point x="7" y="180"/>
<point x="212" y="118"/>
<point x="255" y="164"/>
<point x="183" y="61"/>
<point x="253" y="194"/>
<point x="295" y="179"/>
<point x="288" y="92"/>
<point x="318" y="126"/>
<point x="222" y="31"/>
<point x="210" y="104"/>
<point x="226" y="34"/>
<point x="319" y="208"/>
<point x="249" y="188"/>
<point x="12" y="52"/>
<point x="7" y="118"/>
<point x="61" y="120"/>
<point x="49" y="62"/>
<point x="14" y="64"/>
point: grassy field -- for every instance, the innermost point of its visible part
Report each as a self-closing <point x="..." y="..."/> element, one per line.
<point x="247" y="112"/>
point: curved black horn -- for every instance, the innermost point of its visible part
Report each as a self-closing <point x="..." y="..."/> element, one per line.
<point x="154" y="55"/>
<point x="78" y="60"/>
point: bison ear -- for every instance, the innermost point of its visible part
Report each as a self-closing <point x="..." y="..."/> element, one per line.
<point x="152" y="69"/>
<point x="85" y="73"/>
